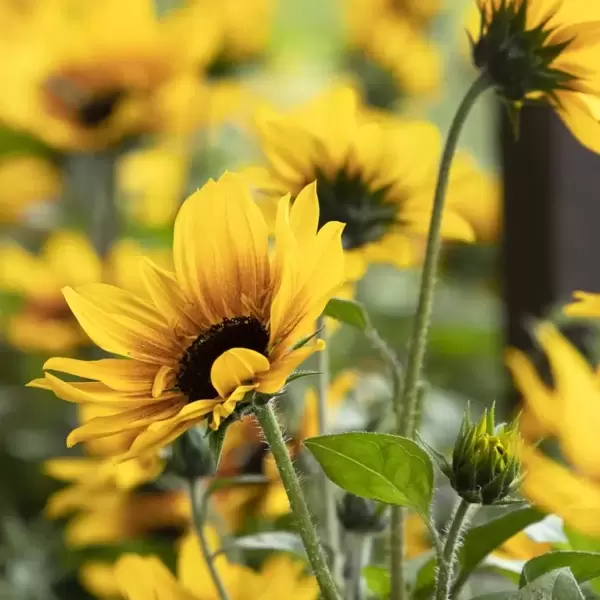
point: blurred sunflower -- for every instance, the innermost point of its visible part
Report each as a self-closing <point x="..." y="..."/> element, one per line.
<point x="83" y="75"/>
<point x="375" y="175"/>
<point x="108" y="503"/>
<point x="543" y="51"/>
<point x="389" y="52"/>
<point x="151" y="183"/>
<point x="146" y="577"/>
<point x="224" y="324"/>
<point x="44" y="322"/>
<point x="569" y="413"/>
<point x="27" y="184"/>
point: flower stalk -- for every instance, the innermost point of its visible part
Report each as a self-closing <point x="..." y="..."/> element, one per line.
<point x="316" y="555"/>
<point x="198" y="519"/>
<point x="408" y="401"/>
<point x="447" y="561"/>
<point x="332" y="530"/>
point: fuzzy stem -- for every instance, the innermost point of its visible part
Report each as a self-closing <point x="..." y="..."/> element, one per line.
<point x="316" y="556"/>
<point x="198" y="518"/>
<point x="332" y="528"/>
<point x="459" y="521"/>
<point x="406" y="406"/>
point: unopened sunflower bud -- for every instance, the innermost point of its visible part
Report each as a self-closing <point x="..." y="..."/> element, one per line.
<point x="485" y="460"/>
<point x="191" y="456"/>
<point x="361" y="515"/>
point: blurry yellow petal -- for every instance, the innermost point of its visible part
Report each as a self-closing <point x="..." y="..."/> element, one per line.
<point x="454" y="227"/>
<point x="577" y="115"/>
<point x="557" y="490"/>
<point x="540" y="400"/>
<point x="304" y="214"/>
<point x="579" y="400"/>
<point x="585" y="305"/>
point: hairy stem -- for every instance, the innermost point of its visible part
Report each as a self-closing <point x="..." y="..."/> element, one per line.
<point x="449" y="554"/>
<point x="407" y="402"/>
<point x="316" y="555"/>
<point x="198" y="518"/>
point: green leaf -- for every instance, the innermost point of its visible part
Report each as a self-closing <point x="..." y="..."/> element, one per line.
<point x="583" y="565"/>
<point x="378" y="580"/>
<point x="349" y="312"/>
<point x="388" y="468"/>
<point x="215" y="440"/>
<point x="478" y="543"/>
<point x="283" y="541"/>
<point x="482" y="540"/>
<point x="304" y="340"/>
<point x="556" y="585"/>
<point x="300" y="374"/>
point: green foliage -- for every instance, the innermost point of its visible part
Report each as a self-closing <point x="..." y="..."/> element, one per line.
<point x="349" y="312"/>
<point x="378" y="580"/>
<point x="556" y="585"/>
<point x="583" y="565"/>
<point x="478" y="543"/>
<point x="388" y="468"/>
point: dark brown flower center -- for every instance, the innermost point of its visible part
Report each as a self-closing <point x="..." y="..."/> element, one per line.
<point x="193" y="378"/>
<point x="97" y="110"/>
<point x="349" y="199"/>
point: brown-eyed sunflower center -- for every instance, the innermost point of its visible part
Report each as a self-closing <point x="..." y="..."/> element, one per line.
<point x="348" y="199"/>
<point x="193" y="378"/>
<point x="88" y="108"/>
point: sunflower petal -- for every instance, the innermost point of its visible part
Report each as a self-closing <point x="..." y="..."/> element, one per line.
<point x="235" y="368"/>
<point x="585" y="305"/>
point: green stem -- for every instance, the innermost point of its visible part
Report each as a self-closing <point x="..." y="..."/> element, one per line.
<point x="407" y="402"/>
<point x="332" y="529"/>
<point x="206" y="551"/>
<point x="316" y="556"/>
<point x="358" y="551"/>
<point x="423" y="315"/>
<point x="449" y="554"/>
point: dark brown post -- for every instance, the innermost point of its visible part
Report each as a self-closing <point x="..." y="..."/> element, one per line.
<point x="551" y="244"/>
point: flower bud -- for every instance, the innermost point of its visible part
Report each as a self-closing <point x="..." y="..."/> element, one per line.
<point x="191" y="456"/>
<point x="485" y="462"/>
<point x="361" y="515"/>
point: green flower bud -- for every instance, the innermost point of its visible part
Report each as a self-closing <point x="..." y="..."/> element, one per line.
<point x="361" y="515"/>
<point x="485" y="461"/>
<point x="191" y="456"/>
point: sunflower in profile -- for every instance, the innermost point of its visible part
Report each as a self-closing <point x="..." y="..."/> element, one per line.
<point x="233" y="318"/>
<point x="84" y="75"/>
<point x="544" y="51"/>
<point x="375" y="175"/>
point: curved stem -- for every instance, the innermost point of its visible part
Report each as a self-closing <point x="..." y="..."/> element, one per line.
<point x="423" y="315"/>
<point x="199" y="527"/>
<point x="316" y="556"/>
<point x="448" y="558"/>
<point x="332" y="529"/>
<point x="407" y="402"/>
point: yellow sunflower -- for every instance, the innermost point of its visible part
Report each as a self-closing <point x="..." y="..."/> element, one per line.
<point x="28" y="184"/>
<point x="569" y="413"/>
<point x="44" y="322"/>
<point x="83" y="75"/>
<point x="544" y="51"/>
<point x="280" y="575"/>
<point x="227" y="322"/>
<point x="375" y="175"/>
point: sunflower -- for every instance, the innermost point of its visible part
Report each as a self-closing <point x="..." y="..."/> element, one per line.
<point x="152" y="182"/>
<point x="28" y="185"/>
<point x="83" y="75"/>
<point x="375" y="175"/>
<point x="232" y="319"/>
<point x="569" y="413"/>
<point x="544" y="51"/>
<point x="43" y="321"/>
<point x="146" y="577"/>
